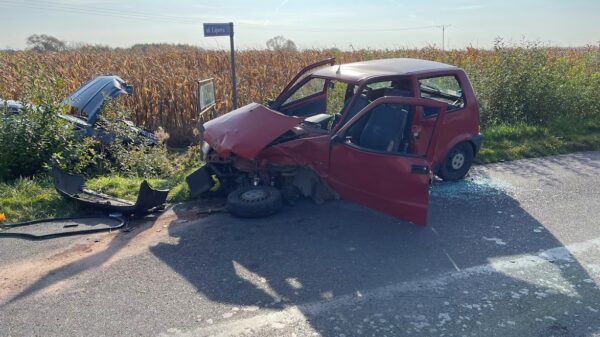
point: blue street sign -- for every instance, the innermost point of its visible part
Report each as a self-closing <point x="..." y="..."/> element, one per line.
<point x="217" y="29"/>
<point x="225" y="29"/>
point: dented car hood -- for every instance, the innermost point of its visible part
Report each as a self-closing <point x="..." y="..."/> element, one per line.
<point x="247" y="130"/>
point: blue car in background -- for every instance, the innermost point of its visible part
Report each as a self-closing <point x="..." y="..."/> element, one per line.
<point x="86" y="105"/>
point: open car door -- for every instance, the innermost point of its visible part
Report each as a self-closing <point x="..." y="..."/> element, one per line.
<point x="371" y="162"/>
<point x="302" y="97"/>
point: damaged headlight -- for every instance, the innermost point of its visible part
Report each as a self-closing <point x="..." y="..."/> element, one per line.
<point x="205" y="149"/>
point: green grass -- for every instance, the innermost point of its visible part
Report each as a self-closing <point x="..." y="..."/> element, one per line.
<point x="511" y="142"/>
<point x="128" y="188"/>
<point x="29" y="199"/>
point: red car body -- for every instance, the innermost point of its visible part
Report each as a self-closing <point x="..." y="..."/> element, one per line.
<point x="350" y="151"/>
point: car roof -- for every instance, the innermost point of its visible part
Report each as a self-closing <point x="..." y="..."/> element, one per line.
<point x="358" y="71"/>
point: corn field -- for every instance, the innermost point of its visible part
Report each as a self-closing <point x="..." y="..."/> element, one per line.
<point x="525" y="83"/>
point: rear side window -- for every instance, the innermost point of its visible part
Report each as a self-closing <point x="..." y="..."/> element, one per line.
<point x="445" y="89"/>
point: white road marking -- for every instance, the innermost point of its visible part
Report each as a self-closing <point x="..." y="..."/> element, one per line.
<point x="295" y="314"/>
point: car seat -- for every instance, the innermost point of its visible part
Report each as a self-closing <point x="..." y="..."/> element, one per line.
<point x="360" y="103"/>
<point x="384" y="129"/>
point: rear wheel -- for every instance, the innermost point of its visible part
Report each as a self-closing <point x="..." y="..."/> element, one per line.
<point x="254" y="201"/>
<point x="457" y="162"/>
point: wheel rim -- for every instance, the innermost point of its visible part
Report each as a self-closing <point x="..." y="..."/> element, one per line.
<point x="458" y="160"/>
<point x="254" y="195"/>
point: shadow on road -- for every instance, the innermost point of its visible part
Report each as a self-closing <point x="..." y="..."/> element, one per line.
<point x="482" y="266"/>
<point x="312" y="256"/>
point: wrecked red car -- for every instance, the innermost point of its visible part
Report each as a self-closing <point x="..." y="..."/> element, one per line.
<point x="372" y="132"/>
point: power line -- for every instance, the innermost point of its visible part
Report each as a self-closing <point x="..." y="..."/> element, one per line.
<point x="97" y="11"/>
<point x="100" y="12"/>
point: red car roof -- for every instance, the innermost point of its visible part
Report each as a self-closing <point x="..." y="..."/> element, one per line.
<point x="357" y="71"/>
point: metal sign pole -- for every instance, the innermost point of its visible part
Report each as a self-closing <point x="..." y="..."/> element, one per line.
<point x="224" y="29"/>
<point x="233" y="79"/>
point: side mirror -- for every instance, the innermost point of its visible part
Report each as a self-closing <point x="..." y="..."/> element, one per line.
<point x="270" y="102"/>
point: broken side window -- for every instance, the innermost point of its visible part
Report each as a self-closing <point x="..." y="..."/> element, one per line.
<point x="445" y="89"/>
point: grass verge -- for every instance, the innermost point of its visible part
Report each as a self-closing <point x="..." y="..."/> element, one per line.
<point x="30" y="199"/>
<point x="511" y="142"/>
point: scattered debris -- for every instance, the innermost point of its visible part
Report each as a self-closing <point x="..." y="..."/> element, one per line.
<point x="72" y="187"/>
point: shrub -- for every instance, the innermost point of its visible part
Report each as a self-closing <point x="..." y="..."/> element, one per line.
<point x="28" y="140"/>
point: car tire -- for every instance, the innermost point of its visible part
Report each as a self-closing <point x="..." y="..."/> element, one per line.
<point x="457" y="163"/>
<point x="254" y="201"/>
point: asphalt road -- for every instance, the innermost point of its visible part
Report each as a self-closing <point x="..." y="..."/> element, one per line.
<point x="512" y="251"/>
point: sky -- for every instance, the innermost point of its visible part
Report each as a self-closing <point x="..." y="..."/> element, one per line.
<point x="343" y="24"/>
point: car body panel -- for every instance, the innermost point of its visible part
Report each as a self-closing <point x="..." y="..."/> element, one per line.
<point x="247" y="130"/>
<point x="86" y="103"/>
<point x="306" y="106"/>
<point x="12" y="106"/>
<point x="359" y="71"/>
<point x="88" y="100"/>
<point x="310" y="151"/>
<point x="76" y="121"/>
<point x="297" y="80"/>
<point x="393" y="183"/>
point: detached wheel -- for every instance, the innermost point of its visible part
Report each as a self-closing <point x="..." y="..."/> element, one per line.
<point x="457" y="162"/>
<point x="254" y="201"/>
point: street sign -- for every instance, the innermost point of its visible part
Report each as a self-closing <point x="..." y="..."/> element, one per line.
<point x="217" y="29"/>
<point x="225" y="29"/>
<point x="206" y="95"/>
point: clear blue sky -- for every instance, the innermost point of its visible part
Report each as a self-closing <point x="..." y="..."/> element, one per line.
<point x="309" y="23"/>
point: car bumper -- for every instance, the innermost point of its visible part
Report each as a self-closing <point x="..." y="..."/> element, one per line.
<point x="477" y="140"/>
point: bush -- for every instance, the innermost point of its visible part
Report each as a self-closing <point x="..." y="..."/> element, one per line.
<point x="28" y="140"/>
<point x="37" y="138"/>
<point x="536" y="85"/>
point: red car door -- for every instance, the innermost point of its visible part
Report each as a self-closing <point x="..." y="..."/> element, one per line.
<point x="371" y="161"/>
<point x="283" y="104"/>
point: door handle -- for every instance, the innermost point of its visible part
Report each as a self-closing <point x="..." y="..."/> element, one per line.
<point x="419" y="169"/>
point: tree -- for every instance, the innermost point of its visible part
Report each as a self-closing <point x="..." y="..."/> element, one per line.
<point x="280" y="43"/>
<point x="45" y="43"/>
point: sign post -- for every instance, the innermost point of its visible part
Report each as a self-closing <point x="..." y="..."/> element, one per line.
<point x="225" y="29"/>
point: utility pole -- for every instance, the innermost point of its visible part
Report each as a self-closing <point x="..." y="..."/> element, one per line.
<point x="444" y="36"/>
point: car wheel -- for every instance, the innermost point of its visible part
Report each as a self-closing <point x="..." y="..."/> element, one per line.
<point x="254" y="201"/>
<point x="457" y="162"/>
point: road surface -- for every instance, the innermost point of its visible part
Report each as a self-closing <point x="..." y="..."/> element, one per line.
<point x="512" y="251"/>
